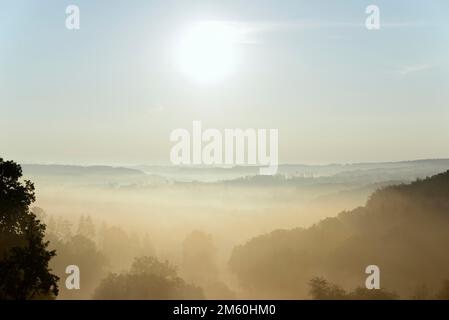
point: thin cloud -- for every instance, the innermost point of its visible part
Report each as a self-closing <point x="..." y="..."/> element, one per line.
<point x="251" y="30"/>
<point x="410" y="69"/>
<point x="272" y="26"/>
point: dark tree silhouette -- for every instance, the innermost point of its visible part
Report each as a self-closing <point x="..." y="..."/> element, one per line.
<point x="24" y="257"/>
<point x="321" y="289"/>
<point x="148" y="279"/>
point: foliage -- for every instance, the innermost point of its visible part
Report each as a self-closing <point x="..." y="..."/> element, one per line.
<point x="321" y="289"/>
<point x="402" y="229"/>
<point x="24" y="257"/>
<point x="148" y="279"/>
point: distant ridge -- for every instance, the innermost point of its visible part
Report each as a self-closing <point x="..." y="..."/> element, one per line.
<point x="73" y="170"/>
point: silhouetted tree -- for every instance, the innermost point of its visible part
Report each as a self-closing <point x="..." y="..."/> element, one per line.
<point x="361" y="293"/>
<point x="24" y="257"/>
<point x="83" y="252"/>
<point x="151" y="265"/>
<point x="148" y="279"/>
<point x="321" y="289"/>
<point x="39" y="213"/>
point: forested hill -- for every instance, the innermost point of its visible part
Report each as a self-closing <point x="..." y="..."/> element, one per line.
<point x="404" y="229"/>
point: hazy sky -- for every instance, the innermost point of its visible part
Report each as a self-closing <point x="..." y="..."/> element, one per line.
<point x="111" y="92"/>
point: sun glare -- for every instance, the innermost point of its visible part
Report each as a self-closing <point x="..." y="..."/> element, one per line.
<point x="207" y="52"/>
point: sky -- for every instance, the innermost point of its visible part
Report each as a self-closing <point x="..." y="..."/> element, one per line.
<point x="111" y="92"/>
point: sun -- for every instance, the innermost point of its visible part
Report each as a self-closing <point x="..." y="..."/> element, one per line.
<point x="207" y="51"/>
